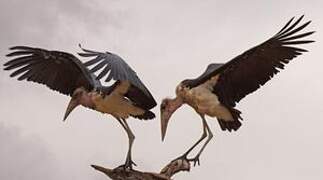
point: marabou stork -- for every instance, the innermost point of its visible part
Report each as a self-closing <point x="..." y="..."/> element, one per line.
<point x="65" y="73"/>
<point x="216" y="92"/>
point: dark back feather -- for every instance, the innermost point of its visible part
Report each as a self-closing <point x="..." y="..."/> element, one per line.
<point x="114" y="67"/>
<point x="195" y="82"/>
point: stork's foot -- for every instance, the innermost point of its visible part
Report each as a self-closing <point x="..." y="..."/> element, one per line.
<point x="128" y="164"/>
<point x="195" y="160"/>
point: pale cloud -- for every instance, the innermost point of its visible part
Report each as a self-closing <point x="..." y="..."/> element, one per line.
<point x="25" y="157"/>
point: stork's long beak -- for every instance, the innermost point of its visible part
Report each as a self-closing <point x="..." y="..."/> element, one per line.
<point x="165" y="116"/>
<point x="71" y="105"/>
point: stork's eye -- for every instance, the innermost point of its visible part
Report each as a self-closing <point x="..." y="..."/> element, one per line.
<point x="184" y="86"/>
<point x="163" y="105"/>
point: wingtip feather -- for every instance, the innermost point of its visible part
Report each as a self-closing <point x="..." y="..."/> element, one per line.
<point x="21" y="48"/>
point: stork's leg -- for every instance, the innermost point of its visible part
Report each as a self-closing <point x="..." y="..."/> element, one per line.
<point x="196" y="159"/>
<point x="204" y="135"/>
<point x="131" y="137"/>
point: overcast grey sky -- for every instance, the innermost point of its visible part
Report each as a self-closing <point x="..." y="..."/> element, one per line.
<point x="165" y="42"/>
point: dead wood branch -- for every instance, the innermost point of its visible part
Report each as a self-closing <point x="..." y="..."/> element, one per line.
<point x="166" y="173"/>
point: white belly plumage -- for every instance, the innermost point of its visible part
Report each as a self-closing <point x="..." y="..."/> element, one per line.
<point x="208" y="103"/>
<point x="204" y="101"/>
<point x="116" y="104"/>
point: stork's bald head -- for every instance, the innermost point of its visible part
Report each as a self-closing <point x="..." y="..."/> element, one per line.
<point x="167" y="108"/>
<point x="79" y="97"/>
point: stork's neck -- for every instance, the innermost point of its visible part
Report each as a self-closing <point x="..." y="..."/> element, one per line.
<point x="175" y="103"/>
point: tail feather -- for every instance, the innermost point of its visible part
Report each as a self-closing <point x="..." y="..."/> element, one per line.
<point x="148" y="115"/>
<point x="231" y="125"/>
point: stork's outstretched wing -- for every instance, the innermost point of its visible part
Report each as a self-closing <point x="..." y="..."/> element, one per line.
<point x="59" y="71"/>
<point x="114" y="67"/>
<point x="247" y="72"/>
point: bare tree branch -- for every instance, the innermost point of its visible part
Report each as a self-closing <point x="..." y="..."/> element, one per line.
<point x="166" y="173"/>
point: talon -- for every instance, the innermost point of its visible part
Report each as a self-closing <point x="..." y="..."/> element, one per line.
<point x="195" y="160"/>
<point x="129" y="163"/>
